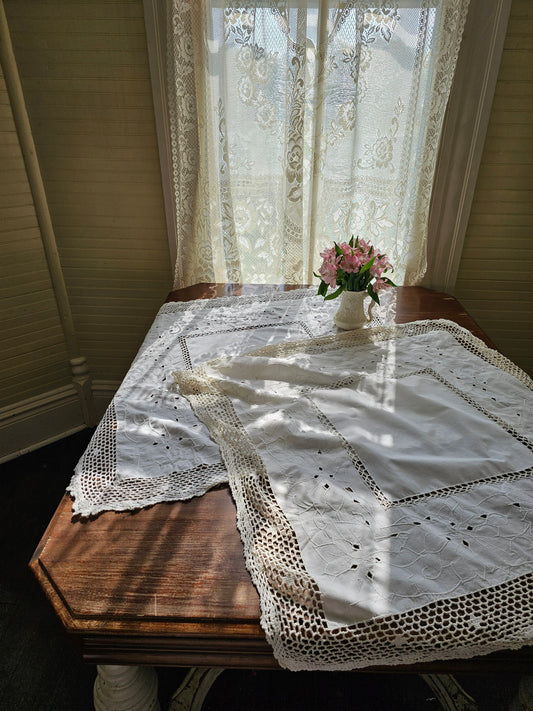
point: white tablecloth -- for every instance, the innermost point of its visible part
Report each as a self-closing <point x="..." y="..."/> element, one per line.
<point x="149" y="447"/>
<point x="384" y="489"/>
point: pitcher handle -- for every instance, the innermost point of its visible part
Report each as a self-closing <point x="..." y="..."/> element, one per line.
<point x="368" y="315"/>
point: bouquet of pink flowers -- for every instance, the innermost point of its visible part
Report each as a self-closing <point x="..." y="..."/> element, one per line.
<point x="353" y="266"/>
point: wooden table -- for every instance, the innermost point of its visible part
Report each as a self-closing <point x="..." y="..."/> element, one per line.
<point x="167" y="585"/>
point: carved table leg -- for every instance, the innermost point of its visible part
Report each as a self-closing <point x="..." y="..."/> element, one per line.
<point x="451" y="696"/>
<point x="119" y="688"/>
<point x="524" y="698"/>
<point x="194" y="688"/>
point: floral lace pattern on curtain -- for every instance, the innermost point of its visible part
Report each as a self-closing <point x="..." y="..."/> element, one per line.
<point x="296" y="123"/>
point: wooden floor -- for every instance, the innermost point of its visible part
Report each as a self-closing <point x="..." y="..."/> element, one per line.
<point x="41" y="671"/>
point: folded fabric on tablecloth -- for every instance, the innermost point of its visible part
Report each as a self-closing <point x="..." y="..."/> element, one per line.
<point x="149" y="446"/>
<point x="384" y="488"/>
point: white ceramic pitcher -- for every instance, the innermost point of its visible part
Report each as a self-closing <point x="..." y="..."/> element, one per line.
<point x="352" y="313"/>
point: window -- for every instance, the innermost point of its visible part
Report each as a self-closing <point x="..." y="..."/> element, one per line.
<point x="313" y="123"/>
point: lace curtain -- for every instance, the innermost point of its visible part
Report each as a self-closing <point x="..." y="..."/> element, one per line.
<point x="297" y="122"/>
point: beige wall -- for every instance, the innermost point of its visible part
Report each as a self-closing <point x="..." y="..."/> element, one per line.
<point x="33" y="354"/>
<point x="495" y="280"/>
<point x="85" y="76"/>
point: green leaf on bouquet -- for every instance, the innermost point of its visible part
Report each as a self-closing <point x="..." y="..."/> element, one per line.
<point x="367" y="266"/>
<point x="373" y="294"/>
<point x="342" y="277"/>
<point x="322" y="288"/>
<point x="334" y="294"/>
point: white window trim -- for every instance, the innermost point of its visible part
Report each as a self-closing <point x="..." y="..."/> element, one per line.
<point x="155" y="17"/>
<point x="463" y="137"/>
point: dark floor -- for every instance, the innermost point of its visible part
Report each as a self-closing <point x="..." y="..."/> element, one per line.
<point x="40" y="669"/>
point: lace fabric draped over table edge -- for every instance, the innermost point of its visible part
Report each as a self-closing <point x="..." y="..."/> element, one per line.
<point x="149" y="446"/>
<point x="458" y="586"/>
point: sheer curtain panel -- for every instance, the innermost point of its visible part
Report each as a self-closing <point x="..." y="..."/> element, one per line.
<point x="297" y="122"/>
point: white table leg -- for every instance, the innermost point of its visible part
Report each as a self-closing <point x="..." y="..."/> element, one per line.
<point x="120" y="688"/>
<point x="524" y="699"/>
<point x="451" y="696"/>
<point x="194" y="688"/>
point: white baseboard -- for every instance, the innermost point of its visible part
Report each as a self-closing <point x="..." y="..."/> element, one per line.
<point x="38" y="421"/>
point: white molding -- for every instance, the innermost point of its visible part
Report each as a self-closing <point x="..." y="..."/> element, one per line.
<point x="155" y="26"/>
<point x="37" y="421"/>
<point x="21" y="408"/>
<point x="463" y="139"/>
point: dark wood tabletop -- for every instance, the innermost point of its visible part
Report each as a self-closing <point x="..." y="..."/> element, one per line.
<point x="167" y="585"/>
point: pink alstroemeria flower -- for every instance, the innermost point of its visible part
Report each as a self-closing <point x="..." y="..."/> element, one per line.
<point x="328" y="272"/>
<point x="364" y="246"/>
<point x="380" y="285"/>
<point x="329" y="256"/>
<point x="380" y="265"/>
<point x="352" y="262"/>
